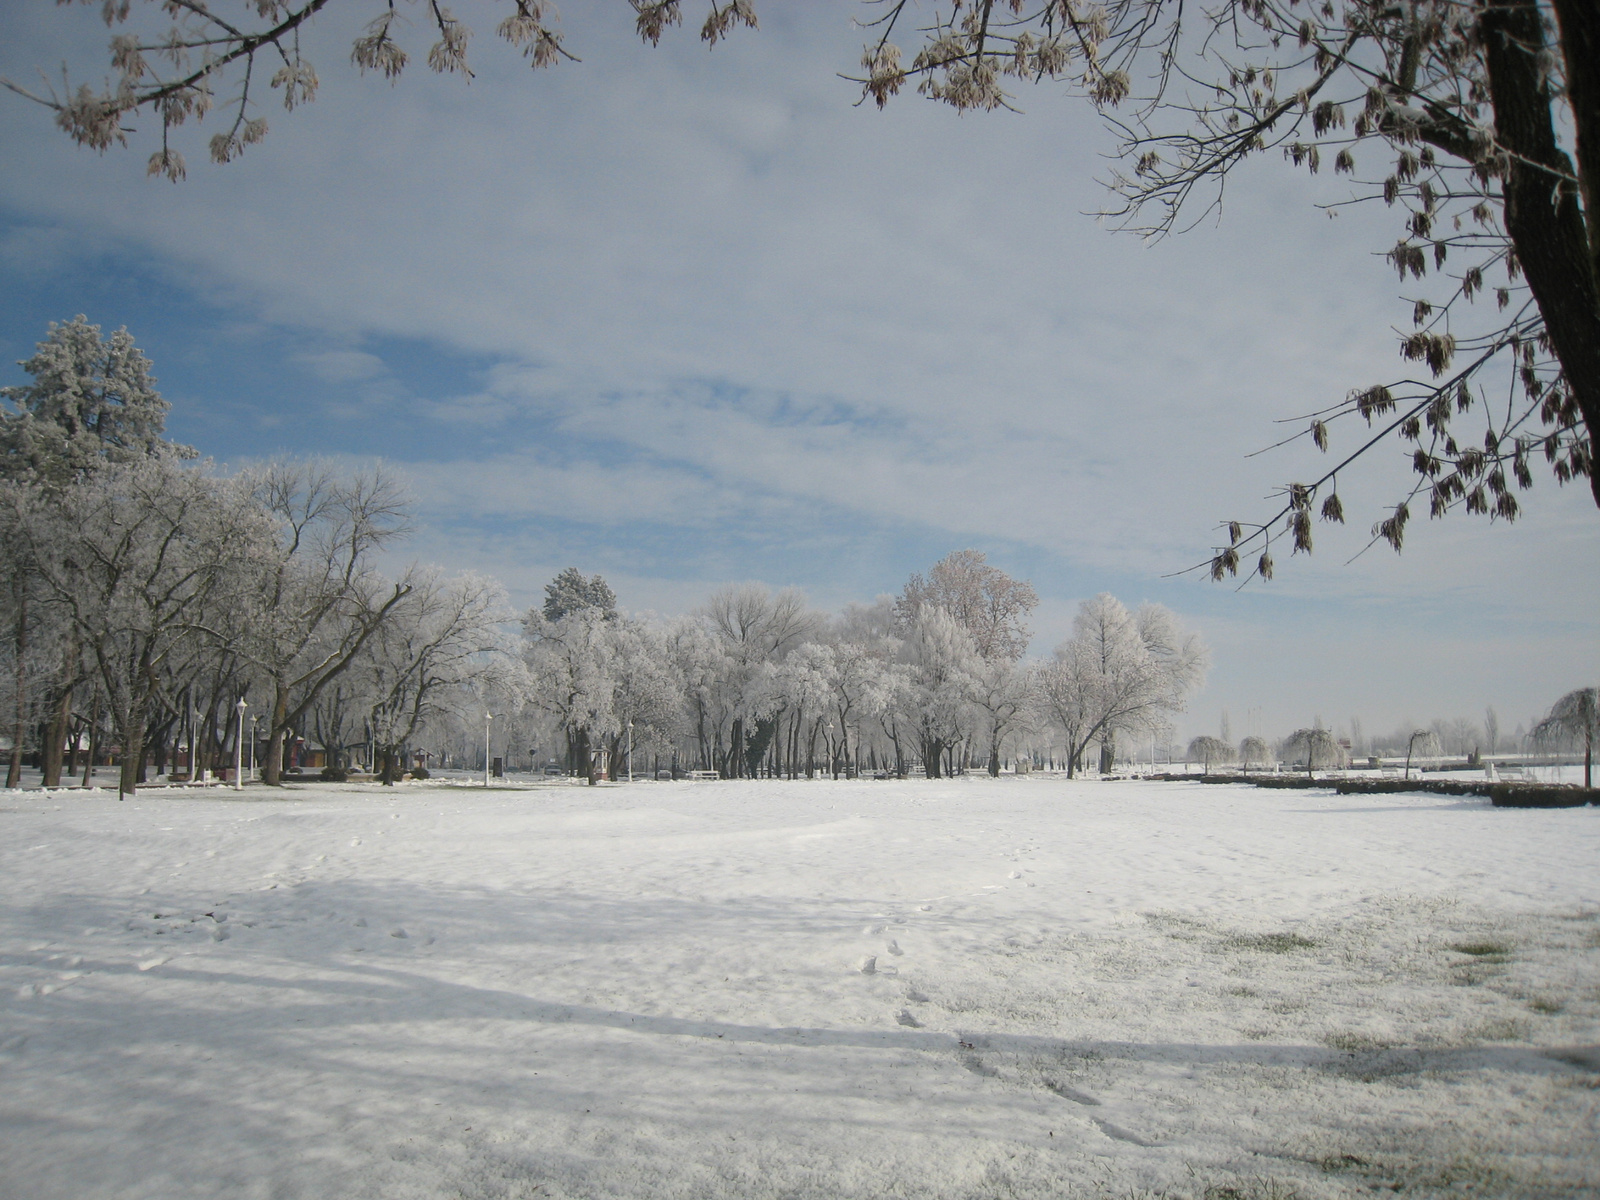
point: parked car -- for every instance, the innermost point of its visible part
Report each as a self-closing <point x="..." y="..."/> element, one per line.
<point x="552" y="769"/>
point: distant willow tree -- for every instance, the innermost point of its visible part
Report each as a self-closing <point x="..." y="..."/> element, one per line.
<point x="1477" y="122"/>
<point x="1574" y="717"/>
<point x="1209" y="750"/>
<point x="1252" y="751"/>
<point x="1423" y="743"/>
<point x="1318" y="746"/>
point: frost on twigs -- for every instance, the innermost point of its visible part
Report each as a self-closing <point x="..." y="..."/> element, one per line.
<point x="172" y="59"/>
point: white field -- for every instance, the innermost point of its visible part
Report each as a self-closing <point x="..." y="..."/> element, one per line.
<point x="972" y="988"/>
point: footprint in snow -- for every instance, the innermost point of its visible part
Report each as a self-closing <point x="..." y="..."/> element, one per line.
<point x="397" y="932"/>
<point x="1121" y="1134"/>
<point x="868" y="965"/>
<point x="1073" y="1094"/>
<point x="894" y="947"/>
<point x="355" y="841"/>
<point x="904" y="1017"/>
<point x="874" y="930"/>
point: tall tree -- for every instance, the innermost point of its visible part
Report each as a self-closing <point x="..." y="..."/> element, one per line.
<point x="990" y="605"/>
<point x="755" y="627"/>
<point x="442" y="635"/>
<point x="943" y="667"/>
<point x="92" y="400"/>
<point x="569" y="592"/>
<point x="1120" y="672"/>
<point x="320" y="599"/>
<point x="141" y="557"/>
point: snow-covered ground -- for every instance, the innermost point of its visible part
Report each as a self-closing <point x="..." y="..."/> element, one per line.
<point x="1011" y="988"/>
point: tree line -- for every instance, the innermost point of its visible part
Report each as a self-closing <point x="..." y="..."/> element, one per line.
<point x="145" y="594"/>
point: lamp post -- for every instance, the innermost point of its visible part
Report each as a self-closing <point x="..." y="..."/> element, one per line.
<point x="630" y="751"/>
<point x="238" y="747"/>
<point x="253" y="721"/>
<point x="488" y="719"/>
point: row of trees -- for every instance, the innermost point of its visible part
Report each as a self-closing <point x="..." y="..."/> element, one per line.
<point x="1571" y="726"/>
<point x="754" y="683"/>
<point x="145" y="594"/>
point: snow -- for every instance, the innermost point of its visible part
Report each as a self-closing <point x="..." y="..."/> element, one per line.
<point x="965" y="988"/>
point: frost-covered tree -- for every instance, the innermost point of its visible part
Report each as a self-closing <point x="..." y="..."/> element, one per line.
<point x="430" y="654"/>
<point x="573" y="671"/>
<point x="569" y="592"/>
<point x="145" y="559"/>
<point x="1207" y="750"/>
<point x="320" y="597"/>
<point x="1253" y="751"/>
<point x="1423" y="743"/>
<point x="1574" y="717"/>
<point x="1007" y="695"/>
<point x="648" y="691"/>
<point x="92" y="400"/>
<point x="942" y="667"/>
<point x="754" y="627"/>
<point x="990" y="605"/>
<point x="1315" y="748"/>
<point x="1119" y="673"/>
<point x="807" y="682"/>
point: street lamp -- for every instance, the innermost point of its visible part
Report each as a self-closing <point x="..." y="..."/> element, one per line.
<point x="253" y="721"/>
<point x="238" y="747"/>
<point x="488" y="718"/>
<point x="630" y="751"/>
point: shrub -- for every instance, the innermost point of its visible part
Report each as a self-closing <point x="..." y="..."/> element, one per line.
<point x="334" y="775"/>
<point x="420" y="773"/>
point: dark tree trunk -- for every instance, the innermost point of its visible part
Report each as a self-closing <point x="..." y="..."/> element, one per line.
<point x="20" y="716"/>
<point x="94" y="737"/>
<point x="56" y="737"/>
<point x="1108" y="753"/>
<point x="756" y="744"/>
<point x="1559" y="256"/>
<point x="272" y="768"/>
<point x="391" y="766"/>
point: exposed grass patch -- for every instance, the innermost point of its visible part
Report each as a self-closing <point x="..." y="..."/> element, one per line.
<point x="1503" y="1029"/>
<point x="1269" y="943"/>
<point x="1251" y="1189"/>
<point x="1240" y="990"/>
<point x="1355" y="1043"/>
<point x="1337" y="1164"/>
<point x="1483" y="948"/>
<point x="1548" y="1005"/>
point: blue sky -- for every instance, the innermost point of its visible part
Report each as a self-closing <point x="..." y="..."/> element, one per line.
<point x="686" y="318"/>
